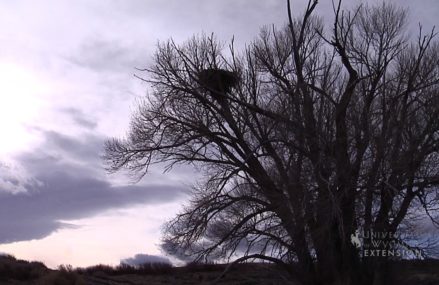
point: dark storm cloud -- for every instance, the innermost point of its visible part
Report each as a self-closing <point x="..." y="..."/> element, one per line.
<point x="140" y="259"/>
<point x="68" y="190"/>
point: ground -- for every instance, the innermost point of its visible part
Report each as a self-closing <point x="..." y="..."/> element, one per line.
<point x="19" y="272"/>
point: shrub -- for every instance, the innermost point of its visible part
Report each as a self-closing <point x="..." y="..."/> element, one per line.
<point x="123" y="268"/>
<point x="11" y="268"/>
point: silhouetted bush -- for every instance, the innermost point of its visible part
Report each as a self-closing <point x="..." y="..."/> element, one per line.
<point x="123" y="269"/>
<point x="64" y="276"/>
<point x="204" y="267"/>
<point x="155" y="268"/>
<point x="12" y="268"/>
<point x="91" y="270"/>
<point x="65" y="268"/>
<point x="7" y="256"/>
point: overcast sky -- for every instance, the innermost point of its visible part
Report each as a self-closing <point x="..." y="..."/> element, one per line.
<point x="66" y="85"/>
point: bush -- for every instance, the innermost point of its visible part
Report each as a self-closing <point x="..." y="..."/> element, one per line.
<point x="154" y="268"/>
<point x="61" y="277"/>
<point x="100" y="268"/>
<point x="205" y="267"/>
<point x="122" y="269"/>
<point x="11" y="268"/>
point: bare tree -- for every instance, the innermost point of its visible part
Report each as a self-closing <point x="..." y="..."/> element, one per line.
<point x="304" y="138"/>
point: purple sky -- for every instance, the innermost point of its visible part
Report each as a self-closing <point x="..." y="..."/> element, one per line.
<point x="66" y="85"/>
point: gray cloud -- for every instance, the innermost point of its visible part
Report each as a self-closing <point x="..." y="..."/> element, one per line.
<point x="103" y="55"/>
<point x="80" y="118"/>
<point x="140" y="259"/>
<point x="14" y="180"/>
<point x="85" y="147"/>
<point x="67" y="189"/>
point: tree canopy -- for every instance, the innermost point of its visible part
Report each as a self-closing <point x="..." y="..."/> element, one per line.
<point x="305" y="137"/>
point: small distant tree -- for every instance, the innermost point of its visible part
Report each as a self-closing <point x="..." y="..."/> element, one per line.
<point x="305" y="137"/>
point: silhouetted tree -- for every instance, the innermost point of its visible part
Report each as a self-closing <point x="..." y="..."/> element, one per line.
<point x="304" y="138"/>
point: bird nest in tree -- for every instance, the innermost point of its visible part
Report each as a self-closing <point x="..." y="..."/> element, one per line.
<point x="217" y="80"/>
